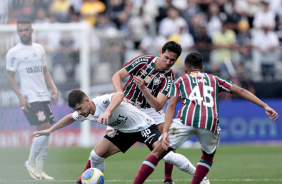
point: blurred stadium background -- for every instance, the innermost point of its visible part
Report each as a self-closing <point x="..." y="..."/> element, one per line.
<point x="87" y="41"/>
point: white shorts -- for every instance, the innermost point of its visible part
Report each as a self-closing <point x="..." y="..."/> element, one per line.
<point x="179" y="133"/>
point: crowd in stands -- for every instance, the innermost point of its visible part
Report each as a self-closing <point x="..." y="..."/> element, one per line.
<point x="239" y="39"/>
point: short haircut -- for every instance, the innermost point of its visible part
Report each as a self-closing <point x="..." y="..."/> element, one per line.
<point x="76" y="96"/>
<point x="194" y="60"/>
<point x="172" y="46"/>
<point x="24" y="20"/>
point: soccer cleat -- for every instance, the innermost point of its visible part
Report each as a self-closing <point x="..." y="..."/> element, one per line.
<point x="44" y="176"/>
<point x="78" y="182"/>
<point x="169" y="182"/>
<point x="205" y="181"/>
<point x="32" y="171"/>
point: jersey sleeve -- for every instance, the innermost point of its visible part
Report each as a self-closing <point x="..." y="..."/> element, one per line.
<point x="43" y="56"/>
<point x="11" y="63"/>
<point x="133" y="66"/>
<point x="77" y="117"/>
<point x="103" y="100"/>
<point x="223" y="84"/>
<point x="175" y="89"/>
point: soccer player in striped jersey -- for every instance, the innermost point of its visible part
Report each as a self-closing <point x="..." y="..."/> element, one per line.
<point x="197" y="116"/>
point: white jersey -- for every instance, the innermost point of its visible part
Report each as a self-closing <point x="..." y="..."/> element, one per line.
<point x="125" y="117"/>
<point x="29" y="61"/>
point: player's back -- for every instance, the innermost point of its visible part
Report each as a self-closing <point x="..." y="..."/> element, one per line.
<point x="199" y="94"/>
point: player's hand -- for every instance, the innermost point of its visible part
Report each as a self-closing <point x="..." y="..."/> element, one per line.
<point x="165" y="142"/>
<point x="104" y="118"/>
<point x="39" y="133"/>
<point x="127" y="100"/>
<point x="54" y="91"/>
<point x="139" y="82"/>
<point x="271" y="113"/>
<point x="24" y="103"/>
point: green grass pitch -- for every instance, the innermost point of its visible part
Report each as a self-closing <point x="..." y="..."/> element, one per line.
<point x="237" y="164"/>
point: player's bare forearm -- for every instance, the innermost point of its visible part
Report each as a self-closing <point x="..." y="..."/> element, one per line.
<point x="117" y="98"/>
<point x="116" y="79"/>
<point x="169" y="114"/>
<point x="65" y="121"/>
<point x="156" y="102"/>
<point x="243" y="93"/>
<point x="48" y="79"/>
<point x="13" y="84"/>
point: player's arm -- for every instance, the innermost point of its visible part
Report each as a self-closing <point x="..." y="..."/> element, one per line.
<point x="49" y="81"/>
<point x="169" y="114"/>
<point x="116" y="99"/>
<point x="117" y="77"/>
<point x="13" y="84"/>
<point x="65" y="121"/>
<point x="271" y="113"/>
<point x="156" y="102"/>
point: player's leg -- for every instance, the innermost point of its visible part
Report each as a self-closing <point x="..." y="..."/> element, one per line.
<point x="44" y="150"/>
<point x="37" y="117"/>
<point x="112" y="143"/>
<point x="209" y="142"/>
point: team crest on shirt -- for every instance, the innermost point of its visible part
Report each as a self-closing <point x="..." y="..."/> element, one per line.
<point x="112" y="133"/>
<point x="157" y="81"/>
<point x="41" y="116"/>
<point x="148" y="79"/>
<point x="143" y="72"/>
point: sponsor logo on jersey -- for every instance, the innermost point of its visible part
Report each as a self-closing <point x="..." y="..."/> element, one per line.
<point x="106" y="101"/>
<point x="193" y="74"/>
<point x="148" y="79"/>
<point x="34" y="69"/>
<point x="41" y="116"/>
<point x="120" y="120"/>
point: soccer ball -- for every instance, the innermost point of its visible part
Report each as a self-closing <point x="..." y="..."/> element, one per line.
<point x="92" y="176"/>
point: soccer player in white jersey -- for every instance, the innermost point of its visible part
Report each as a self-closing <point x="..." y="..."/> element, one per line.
<point x="198" y="116"/>
<point x="129" y="123"/>
<point x="28" y="59"/>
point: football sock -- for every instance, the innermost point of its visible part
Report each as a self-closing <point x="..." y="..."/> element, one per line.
<point x="87" y="166"/>
<point x="36" y="147"/>
<point x="42" y="155"/>
<point x="168" y="171"/>
<point x="203" y="167"/>
<point x="97" y="161"/>
<point x="147" y="167"/>
<point x="180" y="161"/>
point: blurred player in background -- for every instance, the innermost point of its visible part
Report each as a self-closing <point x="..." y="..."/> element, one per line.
<point x="28" y="59"/>
<point x="129" y="123"/>
<point x="198" y="116"/>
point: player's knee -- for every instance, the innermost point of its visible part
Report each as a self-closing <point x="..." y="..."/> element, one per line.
<point x="168" y="157"/>
<point x="95" y="158"/>
<point x="208" y="157"/>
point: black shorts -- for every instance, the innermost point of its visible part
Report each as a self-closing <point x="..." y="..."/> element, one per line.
<point x="125" y="140"/>
<point x="39" y="113"/>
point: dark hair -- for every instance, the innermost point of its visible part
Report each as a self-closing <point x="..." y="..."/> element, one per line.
<point x="194" y="60"/>
<point x="76" y="96"/>
<point x="24" y="20"/>
<point x="172" y="46"/>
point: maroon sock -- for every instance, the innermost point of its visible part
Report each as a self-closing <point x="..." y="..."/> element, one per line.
<point x="146" y="169"/>
<point x="168" y="171"/>
<point x="88" y="165"/>
<point x="200" y="173"/>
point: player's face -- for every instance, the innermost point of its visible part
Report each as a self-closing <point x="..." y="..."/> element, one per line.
<point x="25" y="31"/>
<point x="82" y="109"/>
<point x="166" y="60"/>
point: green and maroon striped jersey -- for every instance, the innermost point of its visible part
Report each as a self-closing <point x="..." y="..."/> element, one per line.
<point x="199" y="94"/>
<point x="155" y="81"/>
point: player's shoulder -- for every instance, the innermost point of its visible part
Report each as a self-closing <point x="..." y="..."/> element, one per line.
<point x="13" y="49"/>
<point x="37" y="45"/>
<point x="144" y="58"/>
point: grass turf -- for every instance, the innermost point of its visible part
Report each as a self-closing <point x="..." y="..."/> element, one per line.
<point x="232" y="164"/>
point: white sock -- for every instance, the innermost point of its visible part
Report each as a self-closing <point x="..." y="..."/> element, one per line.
<point x="97" y="161"/>
<point x="42" y="155"/>
<point x="180" y="161"/>
<point x="36" y="147"/>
